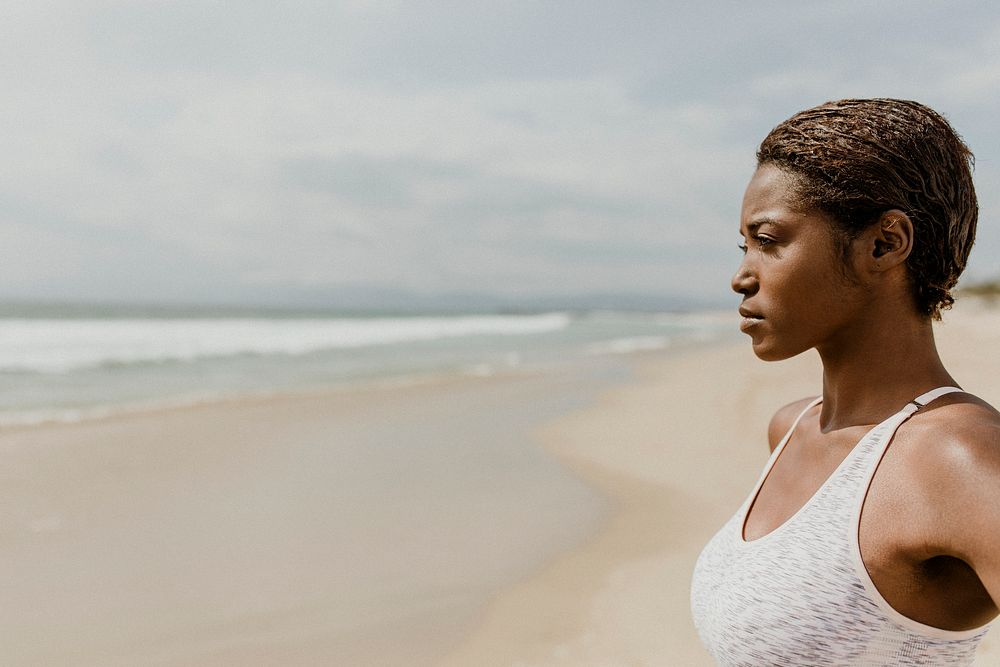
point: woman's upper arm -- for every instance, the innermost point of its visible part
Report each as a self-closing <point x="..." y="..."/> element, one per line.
<point x="982" y="530"/>
<point x="965" y="483"/>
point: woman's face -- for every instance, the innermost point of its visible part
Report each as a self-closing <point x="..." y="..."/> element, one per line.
<point x="796" y="294"/>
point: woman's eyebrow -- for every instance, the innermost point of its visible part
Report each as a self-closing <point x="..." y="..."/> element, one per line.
<point x="754" y="225"/>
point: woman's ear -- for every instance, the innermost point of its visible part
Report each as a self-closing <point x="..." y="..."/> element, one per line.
<point x="890" y="240"/>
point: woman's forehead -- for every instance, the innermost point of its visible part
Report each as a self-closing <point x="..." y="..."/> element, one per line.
<point x="772" y="200"/>
<point x="769" y="184"/>
<point x="769" y="197"/>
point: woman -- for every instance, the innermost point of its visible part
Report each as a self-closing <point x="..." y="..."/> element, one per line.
<point x="873" y="536"/>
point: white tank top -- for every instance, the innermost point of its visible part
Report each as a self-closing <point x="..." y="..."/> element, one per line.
<point x="801" y="594"/>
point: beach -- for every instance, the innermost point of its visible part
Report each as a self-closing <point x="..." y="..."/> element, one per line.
<point x="321" y="527"/>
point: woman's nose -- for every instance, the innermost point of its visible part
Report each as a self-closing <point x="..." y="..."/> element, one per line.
<point x="744" y="281"/>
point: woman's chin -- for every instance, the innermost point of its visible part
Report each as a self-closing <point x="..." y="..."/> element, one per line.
<point x="766" y="352"/>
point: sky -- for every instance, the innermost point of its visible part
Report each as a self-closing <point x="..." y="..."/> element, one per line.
<point x="309" y="151"/>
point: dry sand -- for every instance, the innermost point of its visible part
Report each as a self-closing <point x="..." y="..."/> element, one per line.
<point x="676" y="452"/>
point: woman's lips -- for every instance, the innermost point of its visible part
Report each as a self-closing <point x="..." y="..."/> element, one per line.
<point x="749" y="320"/>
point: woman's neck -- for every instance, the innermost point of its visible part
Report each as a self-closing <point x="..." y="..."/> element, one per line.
<point x="874" y="370"/>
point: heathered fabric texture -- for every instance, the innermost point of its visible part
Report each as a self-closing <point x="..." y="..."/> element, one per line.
<point x="800" y="596"/>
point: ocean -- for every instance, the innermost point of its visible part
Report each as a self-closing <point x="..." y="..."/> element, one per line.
<point x="71" y="364"/>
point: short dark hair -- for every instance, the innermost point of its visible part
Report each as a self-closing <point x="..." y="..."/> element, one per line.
<point x="856" y="159"/>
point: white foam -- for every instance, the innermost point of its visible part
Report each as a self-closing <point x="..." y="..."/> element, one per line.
<point x="67" y="415"/>
<point x="65" y="345"/>
<point x="479" y="370"/>
<point x="628" y="345"/>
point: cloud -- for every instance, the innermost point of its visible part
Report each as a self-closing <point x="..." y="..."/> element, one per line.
<point x="433" y="146"/>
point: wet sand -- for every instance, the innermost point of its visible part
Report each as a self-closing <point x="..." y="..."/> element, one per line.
<point x="361" y="527"/>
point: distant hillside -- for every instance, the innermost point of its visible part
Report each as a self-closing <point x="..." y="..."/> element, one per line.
<point x="989" y="288"/>
<point x="355" y="302"/>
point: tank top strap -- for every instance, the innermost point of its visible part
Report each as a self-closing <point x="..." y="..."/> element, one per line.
<point x="788" y="434"/>
<point x="883" y="433"/>
<point x="775" y="453"/>
<point x="781" y="445"/>
<point x="925" y="398"/>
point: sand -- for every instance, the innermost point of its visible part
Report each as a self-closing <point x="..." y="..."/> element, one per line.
<point x="366" y="526"/>
<point x="164" y="538"/>
<point x="677" y="452"/>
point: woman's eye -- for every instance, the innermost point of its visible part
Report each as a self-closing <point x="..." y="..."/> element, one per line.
<point x="758" y="241"/>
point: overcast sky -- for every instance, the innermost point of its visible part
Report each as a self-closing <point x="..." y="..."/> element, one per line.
<point x="231" y="151"/>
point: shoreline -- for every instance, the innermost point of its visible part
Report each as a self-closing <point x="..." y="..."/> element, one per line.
<point x="653" y="447"/>
<point x="160" y="407"/>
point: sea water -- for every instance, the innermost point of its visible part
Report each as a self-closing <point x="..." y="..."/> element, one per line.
<point x="75" y="364"/>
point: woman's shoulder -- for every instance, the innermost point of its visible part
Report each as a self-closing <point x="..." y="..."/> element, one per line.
<point x="784" y="418"/>
<point x="956" y="438"/>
